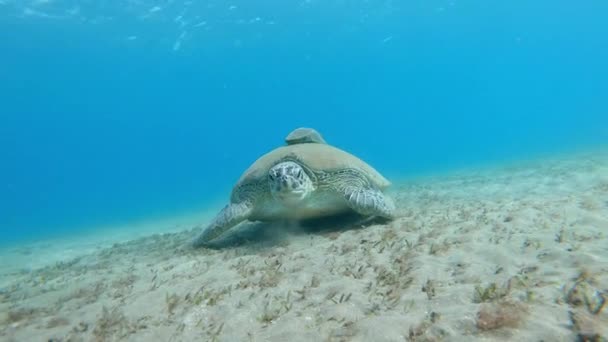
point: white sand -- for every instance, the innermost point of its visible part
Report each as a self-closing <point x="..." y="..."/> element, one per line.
<point x="32" y="255"/>
<point x="512" y="254"/>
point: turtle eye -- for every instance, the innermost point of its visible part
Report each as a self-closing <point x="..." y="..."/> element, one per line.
<point x="299" y="173"/>
<point x="271" y="176"/>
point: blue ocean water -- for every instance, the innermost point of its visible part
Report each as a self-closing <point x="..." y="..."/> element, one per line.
<point x="113" y="111"/>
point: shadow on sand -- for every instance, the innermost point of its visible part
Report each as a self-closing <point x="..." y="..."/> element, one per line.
<point x="270" y="234"/>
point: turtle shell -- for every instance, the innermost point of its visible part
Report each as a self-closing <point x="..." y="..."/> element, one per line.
<point x="320" y="157"/>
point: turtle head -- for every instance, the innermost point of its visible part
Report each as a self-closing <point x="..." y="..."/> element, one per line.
<point x="289" y="183"/>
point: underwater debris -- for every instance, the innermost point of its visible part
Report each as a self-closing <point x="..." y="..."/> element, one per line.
<point x="429" y="289"/>
<point x="111" y="325"/>
<point x="585" y="327"/>
<point x="314" y="281"/>
<point x="88" y="294"/>
<point x="57" y="322"/>
<point x="17" y="315"/>
<point x="171" y="301"/>
<point x="581" y="293"/>
<point x="590" y="204"/>
<point x="503" y="314"/>
<point x="23" y="316"/>
<point x="123" y="282"/>
<point x="415" y="333"/>
<point x="81" y="327"/>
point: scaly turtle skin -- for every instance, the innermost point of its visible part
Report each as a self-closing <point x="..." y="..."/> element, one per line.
<point x="302" y="181"/>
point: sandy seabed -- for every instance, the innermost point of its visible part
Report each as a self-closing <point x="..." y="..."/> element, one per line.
<point x="518" y="253"/>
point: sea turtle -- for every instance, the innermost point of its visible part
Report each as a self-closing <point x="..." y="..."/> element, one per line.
<point x="302" y="181"/>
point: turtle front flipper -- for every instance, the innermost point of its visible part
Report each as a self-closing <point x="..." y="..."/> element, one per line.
<point x="369" y="202"/>
<point x="230" y="216"/>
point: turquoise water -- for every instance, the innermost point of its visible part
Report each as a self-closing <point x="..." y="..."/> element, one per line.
<point x="134" y="109"/>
